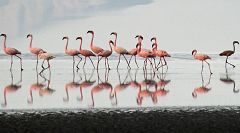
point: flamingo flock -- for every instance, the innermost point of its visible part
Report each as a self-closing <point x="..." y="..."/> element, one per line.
<point x="149" y="55"/>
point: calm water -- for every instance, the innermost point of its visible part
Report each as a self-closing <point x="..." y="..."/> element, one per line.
<point x="180" y="85"/>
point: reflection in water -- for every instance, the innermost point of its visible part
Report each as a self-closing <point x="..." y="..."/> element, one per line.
<point x="102" y="86"/>
<point x="228" y="80"/>
<point x="47" y="90"/>
<point x="86" y="83"/>
<point x="35" y="87"/>
<point x="11" y="88"/>
<point x="203" y="88"/>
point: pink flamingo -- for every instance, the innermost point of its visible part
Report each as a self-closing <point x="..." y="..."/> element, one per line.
<point x="144" y="53"/>
<point x="46" y="56"/>
<point x="159" y="53"/>
<point x="71" y="52"/>
<point x="85" y="53"/>
<point x="95" y="49"/>
<point x="121" y="51"/>
<point x="133" y="52"/>
<point x="11" y="51"/>
<point x="34" y="50"/>
<point x="201" y="57"/>
<point x="106" y="54"/>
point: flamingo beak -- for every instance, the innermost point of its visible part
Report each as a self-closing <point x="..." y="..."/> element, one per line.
<point x="28" y="35"/>
<point x="3" y="35"/>
<point x="152" y="45"/>
<point x="141" y="37"/>
<point x="136" y="36"/>
<point x="153" y="38"/>
<point x="111" y="42"/>
<point x="193" y="52"/>
<point x="64" y="38"/>
<point x="236" y="42"/>
<point x="90" y="31"/>
<point x="113" y="33"/>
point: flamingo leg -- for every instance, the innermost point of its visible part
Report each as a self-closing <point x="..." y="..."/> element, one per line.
<point x="202" y="67"/>
<point x="73" y="62"/>
<point x="105" y="63"/>
<point x="37" y="63"/>
<point x="84" y="62"/>
<point x="118" y="60"/>
<point x="66" y="99"/>
<point x="79" y="61"/>
<point x="30" y="101"/>
<point x="160" y="60"/>
<point x="130" y="59"/>
<point x="108" y="64"/>
<point x="11" y="62"/>
<point x="98" y="62"/>
<point x="43" y="64"/>
<point x="91" y="62"/>
<point x="209" y="67"/>
<point x="5" y="99"/>
<point x="165" y="62"/>
<point x="229" y="63"/>
<point x="20" y="61"/>
<point x="126" y="61"/>
<point x="136" y="61"/>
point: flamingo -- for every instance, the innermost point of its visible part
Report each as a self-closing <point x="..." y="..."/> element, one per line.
<point x="159" y="53"/>
<point x="34" y="50"/>
<point x="119" y="50"/>
<point x="201" y="57"/>
<point x="85" y="53"/>
<point x="45" y="56"/>
<point x="71" y="52"/>
<point x="95" y="49"/>
<point x="133" y="52"/>
<point x="106" y="54"/>
<point x="228" y="53"/>
<point x="11" y="51"/>
<point x="144" y="53"/>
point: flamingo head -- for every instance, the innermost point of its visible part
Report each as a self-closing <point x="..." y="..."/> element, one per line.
<point x="29" y="35"/>
<point x="3" y="35"/>
<point x="90" y="31"/>
<point x="113" y="33"/>
<point x="154" y="38"/>
<point x="235" y="42"/>
<point x="111" y="42"/>
<point x="79" y="38"/>
<point x="194" y="95"/>
<point x="194" y="51"/>
<point x="65" y="38"/>
<point x="154" y="45"/>
<point x="139" y="37"/>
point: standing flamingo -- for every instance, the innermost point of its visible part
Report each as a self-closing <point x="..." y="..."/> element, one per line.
<point x="144" y="53"/>
<point x="121" y="51"/>
<point x="85" y="53"/>
<point x="133" y="52"/>
<point x="106" y="54"/>
<point x="201" y="57"/>
<point x="71" y="52"/>
<point x="159" y="53"/>
<point x="34" y="50"/>
<point x="228" y="53"/>
<point x="95" y="49"/>
<point x="11" y="51"/>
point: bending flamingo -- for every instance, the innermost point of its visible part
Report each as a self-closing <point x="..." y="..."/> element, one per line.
<point x="106" y="54"/>
<point x="201" y="57"/>
<point x="11" y="51"/>
<point x="45" y="56"/>
<point x="228" y="53"/>
<point x="159" y="53"/>
<point x="34" y="50"/>
<point x="95" y="49"/>
<point x="121" y="51"/>
<point x="85" y="53"/>
<point x="72" y="52"/>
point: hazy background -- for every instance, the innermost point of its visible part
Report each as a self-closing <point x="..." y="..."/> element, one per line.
<point x="180" y="26"/>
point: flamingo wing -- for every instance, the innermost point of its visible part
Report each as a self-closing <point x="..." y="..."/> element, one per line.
<point x="226" y="53"/>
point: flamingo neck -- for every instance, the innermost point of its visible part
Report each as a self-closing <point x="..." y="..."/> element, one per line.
<point x="234" y="47"/>
<point x="110" y="47"/>
<point x="91" y="43"/>
<point x="115" y="41"/>
<point x="80" y="48"/>
<point x="30" y="45"/>
<point x="4" y="43"/>
<point x="194" y="54"/>
<point x="139" y="47"/>
<point x="66" y="46"/>
<point x="154" y="49"/>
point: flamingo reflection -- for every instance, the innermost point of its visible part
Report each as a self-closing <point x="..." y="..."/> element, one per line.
<point x="100" y="87"/>
<point x="87" y="83"/>
<point x="46" y="90"/>
<point x="35" y="87"/>
<point x="202" y="89"/>
<point x="11" y="88"/>
<point x="228" y="80"/>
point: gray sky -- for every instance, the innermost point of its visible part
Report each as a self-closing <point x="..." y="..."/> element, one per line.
<point x="180" y="26"/>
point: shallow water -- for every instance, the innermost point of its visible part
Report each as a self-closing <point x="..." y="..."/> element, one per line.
<point x="64" y="88"/>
